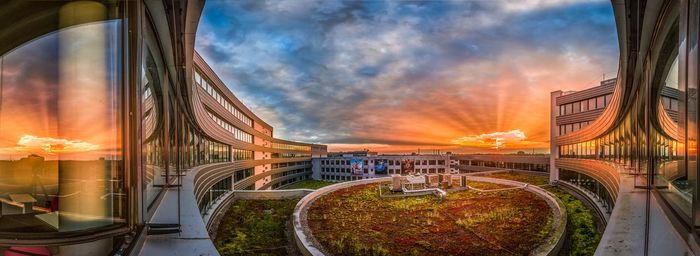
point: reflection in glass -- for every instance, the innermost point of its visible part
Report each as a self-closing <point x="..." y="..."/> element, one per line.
<point x="671" y="177"/>
<point x="60" y="137"/>
<point x="153" y="126"/>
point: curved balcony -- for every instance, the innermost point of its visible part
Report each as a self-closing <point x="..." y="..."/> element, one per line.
<point x="283" y="178"/>
<point x="602" y="124"/>
<point x="668" y="126"/>
<point x="211" y="174"/>
<point x="604" y="172"/>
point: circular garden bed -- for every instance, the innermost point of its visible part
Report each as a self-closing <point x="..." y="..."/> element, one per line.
<point x="353" y="220"/>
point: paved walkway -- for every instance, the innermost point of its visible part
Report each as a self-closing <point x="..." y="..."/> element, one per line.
<point x="194" y="239"/>
<point x="624" y="234"/>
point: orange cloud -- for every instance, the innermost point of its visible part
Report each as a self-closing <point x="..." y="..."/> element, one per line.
<point x="495" y="140"/>
<point x="29" y="143"/>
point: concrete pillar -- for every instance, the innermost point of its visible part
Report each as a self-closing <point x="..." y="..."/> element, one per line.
<point x="553" y="133"/>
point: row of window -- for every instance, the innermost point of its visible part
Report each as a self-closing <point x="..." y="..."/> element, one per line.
<point x="390" y="171"/>
<point x="670" y="103"/>
<point x="220" y="188"/>
<point x="237" y="133"/>
<point x="287" y="164"/>
<point x="213" y="194"/>
<point x="197" y="151"/>
<point x="342" y="178"/>
<point x="290" y="147"/>
<point x="201" y="81"/>
<point x="585" y="105"/>
<point x="242" y="154"/>
<point x="569" y="128"/>
<point x="242" y="174"/>
<point x="505" y="165"/>
<point x="289" y="155"/>
<point x="390" y="162"/>
<point x="589" y="184"/>
<point x="291" y="172"/>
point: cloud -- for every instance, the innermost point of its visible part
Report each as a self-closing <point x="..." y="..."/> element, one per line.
<point x="29" y="143"/>
<point x="406" y="73"/>
<point x="494" y="139"/>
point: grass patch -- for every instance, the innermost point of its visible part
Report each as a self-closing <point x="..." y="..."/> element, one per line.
<point x="355" y="221"/>
<point x="486" y="185"/>
<point x="255" y="227"/>
<point x="521" y="177"/>
<point x="583" y="235"/>
<point x="310" y="184"/>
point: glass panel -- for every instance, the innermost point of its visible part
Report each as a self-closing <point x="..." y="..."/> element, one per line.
<point x="692" y="95"/>
<point x="153" y="125"/>
<point x="60" y="129"/>
<point x="671" y="176"/>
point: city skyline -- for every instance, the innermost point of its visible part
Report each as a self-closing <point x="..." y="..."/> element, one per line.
<point x="344" y="74"/>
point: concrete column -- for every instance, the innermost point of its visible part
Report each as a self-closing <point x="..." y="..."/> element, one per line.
<point x="553" y="133"/>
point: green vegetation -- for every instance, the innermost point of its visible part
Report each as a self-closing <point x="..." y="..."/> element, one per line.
<point x="255" y="227"/>
<point x="355" y="221"/>
<point x="522" y="177"/>
<point x="583" y="236"/>
<point x="310" y="184"/>
<point x="486" y="185"/>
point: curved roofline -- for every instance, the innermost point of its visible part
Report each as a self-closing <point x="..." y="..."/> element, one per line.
<point x="209" y="72"/>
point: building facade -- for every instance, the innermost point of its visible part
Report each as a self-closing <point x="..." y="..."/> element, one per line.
<point x="364" y="165"/>
<point x="116" y="136"/>
<point x="638" y="156"/>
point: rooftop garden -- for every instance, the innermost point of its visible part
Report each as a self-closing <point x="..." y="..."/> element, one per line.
<point x="310" y="184"/>
<point x="256" y="227"/>
<point x="533" y="179"/>
<point x="356" y="221"/>
<point x="583" y="237"/>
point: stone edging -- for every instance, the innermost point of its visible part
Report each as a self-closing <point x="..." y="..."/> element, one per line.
<point x="308" y="245"/>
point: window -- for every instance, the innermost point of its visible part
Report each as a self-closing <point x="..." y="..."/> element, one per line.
<point x="60" y="134"/>
<point x="592" y="104"/>
<point x="237" y="133"/>
<point x="600" y="102"/>
<point x="584" y="106"/>
<point x="673" y="104"/>
<point x="577" y="107"/>
<point x="205" y="84"/>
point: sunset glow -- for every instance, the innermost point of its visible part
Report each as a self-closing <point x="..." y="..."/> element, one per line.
<point x="29" y="143"/>
<point x="398" y="76"/>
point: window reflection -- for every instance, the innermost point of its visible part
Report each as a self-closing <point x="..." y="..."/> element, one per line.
<point x="152" y="125"/>
<point x="671" y="171"/>
<point x="60" y="150"/>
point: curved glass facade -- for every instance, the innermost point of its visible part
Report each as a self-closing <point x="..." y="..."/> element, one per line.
<point x="652" y="140"/>
<point x="61" y="167"/>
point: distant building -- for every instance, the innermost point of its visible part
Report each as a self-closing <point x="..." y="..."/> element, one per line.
<point x="339" y="167"/>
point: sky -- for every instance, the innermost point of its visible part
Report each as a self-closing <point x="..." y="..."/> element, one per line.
<point x="44" y="82"/>
<point x="399" y="76"/>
